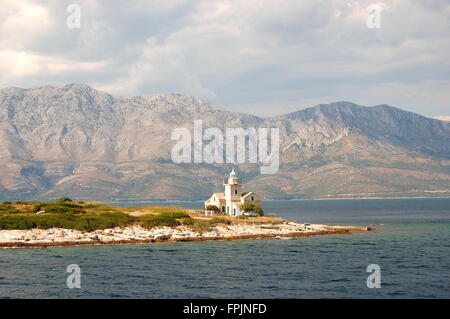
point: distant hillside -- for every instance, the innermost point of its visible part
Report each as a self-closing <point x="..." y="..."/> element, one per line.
<point x="79" y="142"/>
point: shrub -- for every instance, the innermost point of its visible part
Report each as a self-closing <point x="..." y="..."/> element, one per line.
<point x="100" y="207"/>
<point x="36" y="208"/>
<point x="64" y="199"/>
<point x="176" y="214"/>
<point x="86" y="217"/>
<point x="16" y="222"/>
<point x="9" y="209"/>
<point x="69" y="204"/>
<point x="60" y="209"/>
<point x="203" y="225"/>
<point x="198" y="225"/>
<point x="213" y="208"/>
<point x="150" y="221"/>
<point x="119" y="219"/>
<point x="86" y="222"/>
<point x="161" y="209"/>
<point x="251" y="207"/>
<point x="220" y="220"/>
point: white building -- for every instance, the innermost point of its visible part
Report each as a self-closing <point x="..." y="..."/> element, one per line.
<point x="229" y="201"/>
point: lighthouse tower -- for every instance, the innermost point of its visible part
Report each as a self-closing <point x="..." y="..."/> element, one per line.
<point x="233" y="191"/>
<point x="229" y="201"/>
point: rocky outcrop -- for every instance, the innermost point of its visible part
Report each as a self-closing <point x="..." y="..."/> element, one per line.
<point x="137" y="234"/>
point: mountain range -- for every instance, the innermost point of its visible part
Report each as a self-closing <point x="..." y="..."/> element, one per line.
<point x="75" y="141"/>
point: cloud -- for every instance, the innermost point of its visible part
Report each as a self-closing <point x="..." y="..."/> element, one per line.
<point x="21" y="22"/>
<point x="24" y="64"/>
<point x="443" y="118"/>
<point x="267" y="57"/>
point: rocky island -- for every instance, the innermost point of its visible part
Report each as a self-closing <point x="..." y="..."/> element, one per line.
<point x="64" y="223"/>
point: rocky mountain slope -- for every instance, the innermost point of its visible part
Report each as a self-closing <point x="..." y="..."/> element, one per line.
<point x="76" y="141"/>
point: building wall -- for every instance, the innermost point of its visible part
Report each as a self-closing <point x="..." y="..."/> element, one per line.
<point x="253" y="198"/>
<point x="230" y="205"/>
<point x="233" y="192"/>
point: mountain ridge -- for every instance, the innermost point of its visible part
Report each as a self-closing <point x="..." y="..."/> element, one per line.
<point x="77" y="141"/>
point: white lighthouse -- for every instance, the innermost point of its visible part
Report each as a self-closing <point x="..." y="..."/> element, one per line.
<point x="229" y="201"/>
<point x="233" y="192"/>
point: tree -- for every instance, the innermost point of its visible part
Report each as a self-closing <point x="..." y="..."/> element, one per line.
<point x="64" y="199"/>
<point x="37" y="208"/>
<point x="213" y="208"/>
<point x="252" y="207"/>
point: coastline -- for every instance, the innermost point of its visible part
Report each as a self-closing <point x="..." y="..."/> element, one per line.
<point x="174" y="201"/>
<point x="53" y="237"/>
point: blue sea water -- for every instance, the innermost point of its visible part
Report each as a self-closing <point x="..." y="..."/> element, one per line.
<point x="412" y="248"/>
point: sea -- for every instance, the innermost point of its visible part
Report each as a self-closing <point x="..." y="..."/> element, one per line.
<point x="410" y="251"/>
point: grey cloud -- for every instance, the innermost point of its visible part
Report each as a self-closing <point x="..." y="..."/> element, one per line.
<point x="267" y="57"/>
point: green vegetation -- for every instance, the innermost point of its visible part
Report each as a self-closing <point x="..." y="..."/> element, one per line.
<point x="58" y="208"/>
<point x="220" y="220"/>
<point x="150" y="221"/>
<point x="251" y="207"/>
<point x="86" y="222"/>
<point x="213" y="208"/>
<point x="96" y="216"/>
<point x="99" y="207"/>
<point x="7" y="208"/>
<point x="175" y="214"/>
<point x="163" y="209"/>
<point x="203" y="225"/>
<point x="164" y="218"/>
<point x="83" y="216"/>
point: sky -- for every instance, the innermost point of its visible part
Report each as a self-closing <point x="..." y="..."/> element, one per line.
<point x="264" y="57"/>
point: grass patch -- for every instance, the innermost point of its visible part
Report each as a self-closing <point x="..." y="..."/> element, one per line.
<point x="7" y="208"/>
<point x="203" y="225"/>
<point x="165" y="209"/>
<point x="85" y="222"/>
<point x="150" y="221"/>
<point x="100" y="207"/>
<point x="84" y="216"/>
<point x="58" y="209"/>
<point x="220" y="220"/>
<point x="175" y="214"/>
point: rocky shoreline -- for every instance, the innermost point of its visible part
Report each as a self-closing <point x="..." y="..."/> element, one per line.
<point x="41" y="238"/>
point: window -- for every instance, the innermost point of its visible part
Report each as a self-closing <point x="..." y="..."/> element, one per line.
<point x="235" y="192"/>
<point x="253" y="198"/>
<point x="223" y="209"/>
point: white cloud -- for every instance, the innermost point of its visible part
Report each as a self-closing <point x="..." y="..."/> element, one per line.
<point x="443" y="118"/>
<point x="23" y="64"/>
<point x="266" y="56"/>
<point x="21" y="22"/>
